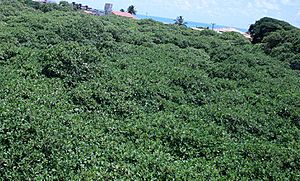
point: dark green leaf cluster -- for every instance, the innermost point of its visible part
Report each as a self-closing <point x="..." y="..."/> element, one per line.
<point x="86" y="98"/>
<point x="131" y="10"/>
<point x="265" y="26"/>
<point x="279" y="39"/>
<point x="285" y="46"/>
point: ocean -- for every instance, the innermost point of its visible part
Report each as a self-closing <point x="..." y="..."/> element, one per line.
<point x="189" y="23"/>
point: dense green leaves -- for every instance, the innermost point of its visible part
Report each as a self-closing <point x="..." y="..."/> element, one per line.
<point x="265" y="26"/>
<point x="86" y="97"/>
<point x="280" y="40"/>
<point x="72" y="62"/>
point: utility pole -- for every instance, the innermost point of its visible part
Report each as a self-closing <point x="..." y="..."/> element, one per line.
<point x="213" y="26"/>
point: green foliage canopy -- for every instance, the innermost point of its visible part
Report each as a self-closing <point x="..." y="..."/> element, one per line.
<point x="86" y="97"/>
<point x="265" y="26"/>
<point x="279" y="39"/>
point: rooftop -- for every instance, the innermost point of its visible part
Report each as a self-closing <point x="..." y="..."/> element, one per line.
<point x="124" y="14"/>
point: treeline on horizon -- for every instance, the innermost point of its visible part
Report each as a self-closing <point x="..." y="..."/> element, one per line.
<point x="87" y="97"/>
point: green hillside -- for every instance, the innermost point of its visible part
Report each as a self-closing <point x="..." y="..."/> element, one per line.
<point x="91" y="98"/>
<point x="279" y="39"/>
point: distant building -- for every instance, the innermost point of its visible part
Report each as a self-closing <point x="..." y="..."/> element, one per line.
<point x="124" y="14"/>
<point x="98" y="12"/>
<point x="94" y="12"/>
<point x="108" y="8"/>
<point x="80" y="6"/>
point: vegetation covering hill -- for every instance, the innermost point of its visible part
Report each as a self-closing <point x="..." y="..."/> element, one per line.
<point x="280" y="40"/>
<point x="86" y="97"/>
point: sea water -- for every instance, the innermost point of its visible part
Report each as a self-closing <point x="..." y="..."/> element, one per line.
<point x="189" y="23"/>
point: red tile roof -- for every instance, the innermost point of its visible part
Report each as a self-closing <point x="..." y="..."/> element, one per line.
<point x="124" y="14"/>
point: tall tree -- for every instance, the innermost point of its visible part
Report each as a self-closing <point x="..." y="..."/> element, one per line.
<point x="180" y="21"/>
<point x="131" y="10"/>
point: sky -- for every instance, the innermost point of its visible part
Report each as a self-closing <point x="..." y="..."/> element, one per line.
<point x="235" y="13"/>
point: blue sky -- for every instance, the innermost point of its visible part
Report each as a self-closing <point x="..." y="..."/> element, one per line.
<point x="238" y="13"/>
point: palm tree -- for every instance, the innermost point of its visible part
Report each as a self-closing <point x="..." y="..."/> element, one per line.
<point x="180" y="21"/>
<point x="131" y="10"/>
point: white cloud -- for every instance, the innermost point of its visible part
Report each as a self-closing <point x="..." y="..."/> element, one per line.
<point x="289" y="2"/>
<point x="285" y="2"/>
<point x="183" y="4"/>
<point x="267" y="4"/>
